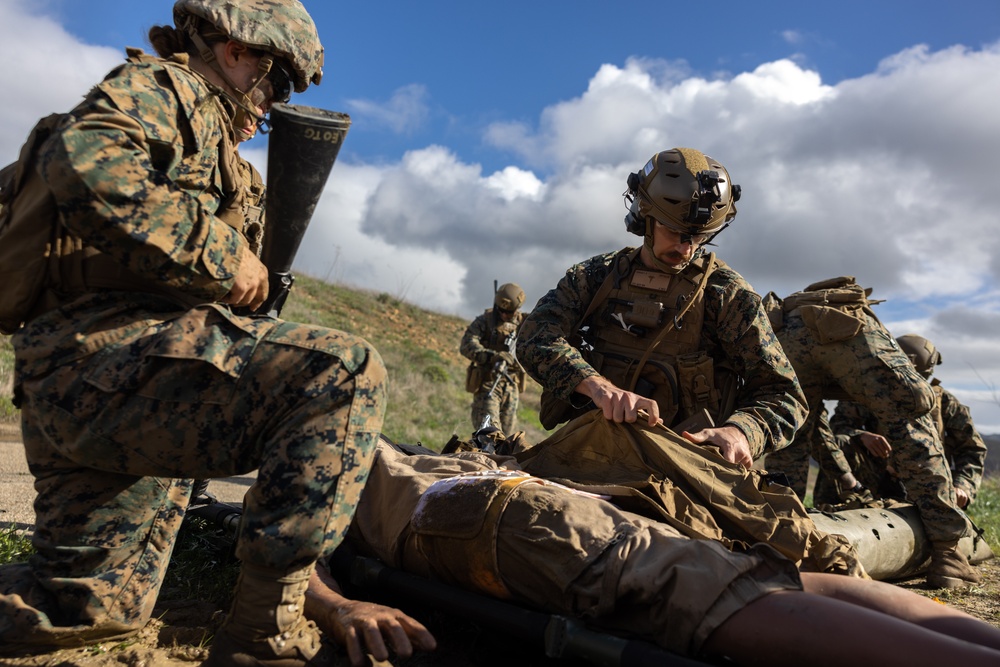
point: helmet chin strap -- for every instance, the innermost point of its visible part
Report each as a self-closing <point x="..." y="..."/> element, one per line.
<point x="244" y="102"/>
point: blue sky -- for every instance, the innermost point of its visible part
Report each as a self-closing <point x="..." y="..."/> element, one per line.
<point x="477" y="63"/>
<point x="492" y="141"/>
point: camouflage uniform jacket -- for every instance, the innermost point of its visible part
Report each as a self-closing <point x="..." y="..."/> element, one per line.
<point x="770" y="405"/>
<point x="964" y="447"/>
<point x="137" y="176"/>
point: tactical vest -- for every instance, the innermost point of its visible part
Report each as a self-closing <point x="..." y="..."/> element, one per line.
<point x="646" y="336"/>
<point x="501" y="331"/>
<point x="50" y="266"/>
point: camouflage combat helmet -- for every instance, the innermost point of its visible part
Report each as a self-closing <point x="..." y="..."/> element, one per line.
<point x="921" y="352"/>
<point x="685" y="190"/>
<point x="509" y="297"/>
<point x="280" y="27"/>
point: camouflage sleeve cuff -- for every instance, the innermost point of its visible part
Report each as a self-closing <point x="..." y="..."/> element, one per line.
<point x="572" y="381"/>
<point x="966" y="486"/>
<point x="222" y="255"/>
<point x="752" y="430"/>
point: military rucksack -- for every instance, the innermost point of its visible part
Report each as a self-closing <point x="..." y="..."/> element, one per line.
<point x="834" y="309"/>
<point x="29" y="229"/>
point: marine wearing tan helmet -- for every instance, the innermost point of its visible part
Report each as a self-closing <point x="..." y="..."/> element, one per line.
<point x="686" y="191"/>
<point x="921" y="352"/>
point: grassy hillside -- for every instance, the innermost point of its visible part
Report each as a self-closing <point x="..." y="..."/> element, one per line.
<point x="7" y="411"/>
<point x="427" y="400"/>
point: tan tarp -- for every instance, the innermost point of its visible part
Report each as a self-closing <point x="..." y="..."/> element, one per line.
<point x="656" y="473"/>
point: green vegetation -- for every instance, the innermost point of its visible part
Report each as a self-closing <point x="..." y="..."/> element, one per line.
<point x="8" y="412"/>
<point x="203" y="566"/>
<point x="985" y="512"/>
<point x="14" y="546"/>
<point x="427" y="398"/>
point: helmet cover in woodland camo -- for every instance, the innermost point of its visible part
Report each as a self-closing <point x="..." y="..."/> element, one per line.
<point x="280" y="27"/>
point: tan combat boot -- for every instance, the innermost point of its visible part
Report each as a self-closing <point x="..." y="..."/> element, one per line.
<point x="265" y="627"/>
<point x="950" y="568"/>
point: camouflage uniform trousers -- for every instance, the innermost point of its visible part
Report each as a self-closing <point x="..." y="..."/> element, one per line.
<point x="112" y="439"/>
<point x="871" y="369"/>
<point x="867" y="469"/>
<point x="501" y="405"/>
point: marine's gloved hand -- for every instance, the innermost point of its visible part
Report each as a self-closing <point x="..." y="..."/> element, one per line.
<point x="506" y="356"/>
<point x="856" y="498"/>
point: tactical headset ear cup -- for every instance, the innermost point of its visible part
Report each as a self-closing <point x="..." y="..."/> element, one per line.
<point x="633" y="182"/>
<point x="634" y="223"/>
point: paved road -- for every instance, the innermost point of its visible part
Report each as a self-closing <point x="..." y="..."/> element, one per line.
<point x="17" y="492"/>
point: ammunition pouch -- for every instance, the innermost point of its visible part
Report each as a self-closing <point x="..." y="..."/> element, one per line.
<point x="696" y="378"/>
<point x="455" y="524"/>
<point x="474" y="377"/>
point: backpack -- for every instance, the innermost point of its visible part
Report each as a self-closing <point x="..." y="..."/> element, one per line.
<point x="28" y="228"/>
<point x="833" y="309"/>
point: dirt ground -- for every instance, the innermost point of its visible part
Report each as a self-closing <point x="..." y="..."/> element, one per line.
<point x="178" y="633"/>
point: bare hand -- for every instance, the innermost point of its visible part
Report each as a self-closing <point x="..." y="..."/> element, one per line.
<point x="250" y="287"/>
<point x="961" y="497"/>
<point x="617" y="404"/>
<point x="363" y="627"/>
<point x="731" y="441"/>
<point x="876" y="445"/>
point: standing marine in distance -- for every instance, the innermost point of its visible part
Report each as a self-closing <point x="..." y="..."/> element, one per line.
<point x="494" y="376"/>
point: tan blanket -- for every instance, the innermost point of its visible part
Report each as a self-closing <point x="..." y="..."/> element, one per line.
<point x="657" y="473"/>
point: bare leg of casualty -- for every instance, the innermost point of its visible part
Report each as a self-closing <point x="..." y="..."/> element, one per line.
<point x="840" y="620"/>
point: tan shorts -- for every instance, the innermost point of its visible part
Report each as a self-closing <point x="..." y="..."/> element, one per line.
<point x="572" y="554"/>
